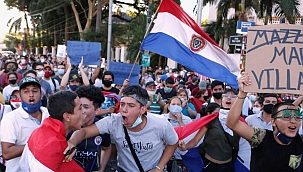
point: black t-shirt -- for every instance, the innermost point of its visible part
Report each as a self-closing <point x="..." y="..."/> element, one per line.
<point x="273" y="157"/>
<point x="166" y="96"/>
<point x="112" y="90"/>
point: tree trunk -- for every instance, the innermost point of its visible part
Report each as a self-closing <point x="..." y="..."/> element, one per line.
<point x="90" y="15"/>
<point x="77" y="19"/>
<point x="98" y="18"/>
<point x="66" y="33"/>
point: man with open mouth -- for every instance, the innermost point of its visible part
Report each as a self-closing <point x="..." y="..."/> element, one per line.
<point x="151" y="136"/>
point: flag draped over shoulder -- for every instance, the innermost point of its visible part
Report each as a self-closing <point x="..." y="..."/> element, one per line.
<point x="175" y="35"/>
<point x="44" y="149"/>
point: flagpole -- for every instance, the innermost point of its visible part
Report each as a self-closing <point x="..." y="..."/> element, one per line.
<point x="147" y="31"/>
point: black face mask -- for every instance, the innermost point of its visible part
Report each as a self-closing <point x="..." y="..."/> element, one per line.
<point x="12" y="81"/>
<point x="205" y="98"/>
<point x="268" y="108"/>
<point x="107" y="83"/>
<point x="217" y="95"/>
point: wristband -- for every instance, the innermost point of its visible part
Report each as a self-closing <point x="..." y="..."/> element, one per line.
<point x="157" y="167"/>
<point x="241" y="97"/>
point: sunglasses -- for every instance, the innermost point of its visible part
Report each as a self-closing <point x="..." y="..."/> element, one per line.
<point x="287" y="114"/>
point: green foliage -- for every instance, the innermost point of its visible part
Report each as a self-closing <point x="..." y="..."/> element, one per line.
<point x="11" y="41"/>
<point x="137" y="29"/>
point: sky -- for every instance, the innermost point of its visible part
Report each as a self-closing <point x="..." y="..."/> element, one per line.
<point x="5" y="16"/>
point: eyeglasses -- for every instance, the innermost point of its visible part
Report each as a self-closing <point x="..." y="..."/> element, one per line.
<point x="41" y="69"/>
<point x="287" y="115"/>
<point x="229" y="96"/>
<point x="14" y="97"/>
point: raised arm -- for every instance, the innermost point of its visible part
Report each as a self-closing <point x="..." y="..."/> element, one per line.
<point x="83" y="74"/>
<point x="65" y="77"/>
<point x="233" y="121"/>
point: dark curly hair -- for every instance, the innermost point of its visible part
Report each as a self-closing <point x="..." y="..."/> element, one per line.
<point x="92" y="93"/>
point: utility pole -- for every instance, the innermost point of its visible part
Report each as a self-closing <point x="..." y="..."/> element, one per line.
<point x="199" y="12"/>
<point x="109" y="37"/>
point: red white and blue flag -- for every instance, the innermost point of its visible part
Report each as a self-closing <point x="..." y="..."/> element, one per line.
<point x="177" y="36"/>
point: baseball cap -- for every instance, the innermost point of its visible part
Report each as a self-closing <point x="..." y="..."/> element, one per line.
<point x="28" y="81"/>
<point x="150" y="83"/>
<point x="73" y="77"/>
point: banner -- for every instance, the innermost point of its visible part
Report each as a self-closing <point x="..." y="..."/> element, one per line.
<point x="122" y="70"/>
<point x="89" y="50"/>
<point x="274" y="59"/>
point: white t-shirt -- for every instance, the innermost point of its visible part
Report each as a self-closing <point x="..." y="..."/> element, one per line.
<point x="148" y="143"/>
<point x="52" y="84"/>
<point x="16" y="127"/>
<point x="7" y="91"/>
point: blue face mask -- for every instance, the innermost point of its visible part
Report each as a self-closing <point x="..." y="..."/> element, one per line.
<point x="31" y="108"/>
<point x="252" y="98"/>
<point x="61" y="71"/>
<point x="73" y="87"/>
<point x="168" y="90"/>
<point x="137" y="122"/>
<point x="284" y="139"/>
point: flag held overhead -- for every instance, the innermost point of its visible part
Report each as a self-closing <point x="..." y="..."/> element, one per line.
<point x="175" y="35"/>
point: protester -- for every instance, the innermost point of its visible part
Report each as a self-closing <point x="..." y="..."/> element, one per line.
<point x="54" y="84"/>
<point x="9" y="66"/>
<point x="167" y="92"/>
<point x="277" y="150"/>
<point x="154" y="99"/>
<point x="61" y="72"/>
<point x="147" y="133"/>
<point x="65" y="110"/>
<point x="17" y="126"/>
<point x="188" y="108"/>
<point x="219" y="141"/>
<point x="88" y="155"/>
<point x="176" y="118"/>
<point x="217" y="88"/>
<point x="71" y="81"/>
<point x="7" y="91"/>
<point x="263" y="118"/>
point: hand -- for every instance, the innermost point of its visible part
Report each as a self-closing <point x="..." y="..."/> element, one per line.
<point x="182" y="145"/>
<point x="81" y="64"/>
<point x="179" y="117"/>
<point x="69" y="152"/>
<point x="158" y="97"/>
<point x="69" y="66"/>
<point x="243" y="81"/>
<point x="184" y="103"/>
<point x="151" y="99"/>
<point x="125" y="83"/>
<point x="111" y="109"/>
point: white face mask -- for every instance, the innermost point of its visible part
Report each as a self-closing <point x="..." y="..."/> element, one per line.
<point x="151" y="93"/>
<point x="183" y="99"/>
<point x="175" y="109"/>
<point x="175" y="75"/>
<point x="23" y="61"/>
<point x="42" y="60"/>
<point x="256" y="110"/>
<point x="40" y="74"/>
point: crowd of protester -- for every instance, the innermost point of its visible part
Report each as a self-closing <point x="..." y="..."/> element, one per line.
<point x="82" y="104"/>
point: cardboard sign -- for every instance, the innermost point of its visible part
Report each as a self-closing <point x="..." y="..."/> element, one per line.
<point x="122" y="70"/>
<point x="274" y="59"/>
<point x="89" y="50"/>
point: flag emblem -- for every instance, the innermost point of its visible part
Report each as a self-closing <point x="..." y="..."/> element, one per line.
<point x="197" y="43"/>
